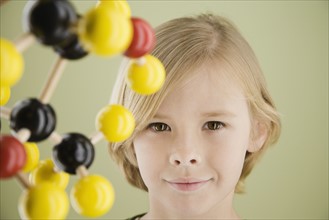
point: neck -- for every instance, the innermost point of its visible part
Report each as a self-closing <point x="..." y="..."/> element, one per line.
<point x="222" y="210"/>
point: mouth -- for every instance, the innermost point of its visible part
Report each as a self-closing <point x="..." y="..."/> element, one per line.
<point x="187" y="185"/>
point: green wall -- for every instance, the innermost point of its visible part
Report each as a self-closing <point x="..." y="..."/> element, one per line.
<point x="290" y="39"/>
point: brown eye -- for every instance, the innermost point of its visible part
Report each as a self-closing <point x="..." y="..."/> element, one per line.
<point x="158" y="127"/>
<point x="214" y="125"/>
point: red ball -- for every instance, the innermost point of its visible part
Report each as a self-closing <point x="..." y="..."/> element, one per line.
<point x="12" y="156"/>
<point x="143" y="39"/>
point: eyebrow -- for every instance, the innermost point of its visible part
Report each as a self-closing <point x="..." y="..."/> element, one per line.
<point x="202" y="114"/>
<point x="160" y="116"/>
<point x="218" y="113"/>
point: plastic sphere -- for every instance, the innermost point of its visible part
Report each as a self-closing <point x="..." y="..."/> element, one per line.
<point x="50" y="21"/>
<point x="105" y="31"/>
<point x="92" y="196"/>
<point x="148" y="78"/>
<point x="45" y="172"/>
<point x="11" y="64"/>
<point x="44" y="201"/>
<point x="143" y="39"/>
<point x="12" y="156"/>
<point x="4" y="95"/>
<point x="71" y="50"/>
<point x="39" y="118"/>
<point x="32" y="156"/>
<point x="115" y="122"/>
<point x="122" y="6"/>
<point x="74" y="150"/>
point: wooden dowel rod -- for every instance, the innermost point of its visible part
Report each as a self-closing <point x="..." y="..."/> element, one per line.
<point x="5" y="112"/>
<point x="96" y="137"/>
<point x="23" y="180"/>
<point x="82" y="171"/>
<point x="56" y="169"/>
<point x="140" y="61"/>
<point x="23" y="135"/>
<point x="24" y="41"/>
<point x="55" y="137"/>
<point x="53" y="79"/>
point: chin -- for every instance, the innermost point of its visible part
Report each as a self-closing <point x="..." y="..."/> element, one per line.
<point x="189" y="209"/>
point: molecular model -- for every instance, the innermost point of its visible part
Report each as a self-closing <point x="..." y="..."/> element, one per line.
<point x="105" y="30"/>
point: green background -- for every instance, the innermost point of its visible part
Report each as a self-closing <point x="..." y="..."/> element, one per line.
<point x="290" y="39"/>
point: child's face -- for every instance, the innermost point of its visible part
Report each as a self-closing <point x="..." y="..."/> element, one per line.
<point x="192" y="153"/>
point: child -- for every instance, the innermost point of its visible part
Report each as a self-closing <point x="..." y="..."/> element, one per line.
<point x="198" y="138"/>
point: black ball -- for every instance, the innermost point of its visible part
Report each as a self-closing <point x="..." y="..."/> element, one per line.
<point x="71" y="49"/>
<point x="50" y="20"/>
<point x="74" y="150"/>
<point x="37" y="117"/>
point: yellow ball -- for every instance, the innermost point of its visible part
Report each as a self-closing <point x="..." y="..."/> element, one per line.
<point x="44" y="201"/>
<point x="115" y="122"/>
<point x="147" y="78"/>
<point x="11" y="63"/>
<point x="121" y="6"/>
<point x="45" y="173"/>
<point x="32" y="156"/>
<point x="4" y="95"/>
<point x="92" y="196"/>
<point x="105" y="31"/>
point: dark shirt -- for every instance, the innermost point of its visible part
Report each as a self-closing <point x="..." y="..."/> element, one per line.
<point x="136" y="217"/>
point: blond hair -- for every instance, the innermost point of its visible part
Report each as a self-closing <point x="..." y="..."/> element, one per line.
<point x="184" y="44"/>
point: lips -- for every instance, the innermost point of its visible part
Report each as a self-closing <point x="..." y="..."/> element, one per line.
<point x="187" y="184"/>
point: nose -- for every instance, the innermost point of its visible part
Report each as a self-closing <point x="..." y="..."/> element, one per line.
<point x="185" y="153"/>
<point x="178" y="160"/>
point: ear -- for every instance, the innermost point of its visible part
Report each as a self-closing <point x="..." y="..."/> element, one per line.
<point x="258" y="137"/>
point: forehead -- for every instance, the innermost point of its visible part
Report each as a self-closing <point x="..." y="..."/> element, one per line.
<point x="206" y="88"/>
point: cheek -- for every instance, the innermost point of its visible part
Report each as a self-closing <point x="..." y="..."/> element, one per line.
<point x="228" y="151"/>
<point x="150" y="158"/>
<point x="147" y="149"/>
